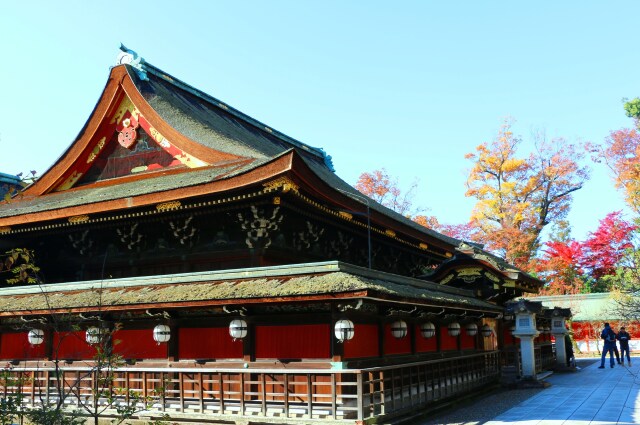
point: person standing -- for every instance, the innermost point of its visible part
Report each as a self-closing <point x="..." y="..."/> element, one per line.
<point x="615" y="347"/>
<point x="609" y="338"/>
<point x="624" y="337"/>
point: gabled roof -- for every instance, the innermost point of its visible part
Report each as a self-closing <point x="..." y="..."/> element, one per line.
<point x="215" y="147"/>
<point x="471" y="263"/>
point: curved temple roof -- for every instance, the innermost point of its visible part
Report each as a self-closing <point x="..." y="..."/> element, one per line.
<point x="216" y="149"/>
<point x="197" y="124"/>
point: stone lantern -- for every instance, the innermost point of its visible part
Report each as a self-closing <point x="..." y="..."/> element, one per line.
<point x="558" y="317"/>
<point x="525" y="317"/>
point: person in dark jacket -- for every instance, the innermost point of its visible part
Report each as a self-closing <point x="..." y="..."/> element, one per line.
<point x="615" y="347"/>
<point x="609" y="338"/>
<point x="624" y="337"/>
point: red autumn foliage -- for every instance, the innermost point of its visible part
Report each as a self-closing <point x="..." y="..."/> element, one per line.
<point x="560" y="268"/>
<point x="604" y="248"/>
<point x="382" y="188"/>
<point x="566" y="265"/>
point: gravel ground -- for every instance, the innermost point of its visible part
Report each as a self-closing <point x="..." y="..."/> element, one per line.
<point x="486" y="407"/>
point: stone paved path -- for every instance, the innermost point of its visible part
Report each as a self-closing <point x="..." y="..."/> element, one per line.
<point x="591" y="396"/>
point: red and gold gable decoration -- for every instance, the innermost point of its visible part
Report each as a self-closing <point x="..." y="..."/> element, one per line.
<point x="125" y="145"/>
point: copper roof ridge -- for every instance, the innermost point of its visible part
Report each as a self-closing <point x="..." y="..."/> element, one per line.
<point x="157" y="72"/>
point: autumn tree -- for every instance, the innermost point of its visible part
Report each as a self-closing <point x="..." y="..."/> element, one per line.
<point x="560" y="268"/>
<point x="459" y="231"/>
<point x="570" y="266"/>
<point x="621" y="154"/>
<point x="517" y="196"/>
<point x="382" y="188"/>
<point x="605" y="247"/>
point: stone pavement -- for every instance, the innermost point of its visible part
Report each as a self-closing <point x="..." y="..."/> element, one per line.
<point x="590" y="396"/>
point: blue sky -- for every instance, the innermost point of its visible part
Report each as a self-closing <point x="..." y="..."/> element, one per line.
<point x="409" y="85"/>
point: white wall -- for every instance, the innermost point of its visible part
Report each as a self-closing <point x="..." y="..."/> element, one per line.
<point x="634" y="345"/>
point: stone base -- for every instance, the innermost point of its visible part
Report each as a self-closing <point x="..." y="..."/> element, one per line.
<point x="528" y="383"/>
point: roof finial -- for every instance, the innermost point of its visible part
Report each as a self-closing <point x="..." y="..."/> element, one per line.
<point x="130" y="57"/>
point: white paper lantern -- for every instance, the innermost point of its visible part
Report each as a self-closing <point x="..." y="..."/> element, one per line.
<point x="428" y="330"/>
<point x="238" y="329"/>
<point x="161" y="333"/>
<point x="454" y="329"/>
<point x="399" y="329"/>
<point x="35" y="336"/>
<point x="344" y="330"/>
<point x="472" y="329"/>
<point x="93" y="335"/>
<point x="486" y="331"/>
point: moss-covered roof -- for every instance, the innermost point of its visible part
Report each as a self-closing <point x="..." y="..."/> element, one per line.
<point x="90" y="195"/>
<point x="275" y="284"/>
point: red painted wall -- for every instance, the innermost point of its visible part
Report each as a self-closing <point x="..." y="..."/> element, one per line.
<point x="467" y="342"/>
<point x="393" y="345"/>
<point x="138" y="344"/>
<point x="208" y="343"/>
<point x="16" y="346"/>
<point x="448" y="342"/>
<point x="423" y="344"/>
<point x="508" y="338"/>
<point x="364" y="342"/>
<point x="293" y="342"/>
<point x="72" y="346"/>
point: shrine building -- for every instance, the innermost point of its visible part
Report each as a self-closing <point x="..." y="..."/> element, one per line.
<point x="233" y="269"/>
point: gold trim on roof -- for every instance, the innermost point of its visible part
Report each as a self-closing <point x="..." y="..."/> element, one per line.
<point x="446" y="279"/>
<point x="281" y="182"/>
<point x="116" y="216"/>
<point x="345" y="215"/>
<point x="171" y="205"/>
<point x="79" y="219"/>
<point x="492" y="276"/>
<point x="96" y="150"/>
<point x="5" y="229"/>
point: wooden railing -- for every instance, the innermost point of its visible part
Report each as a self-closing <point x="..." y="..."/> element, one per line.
<point x="398" y="389"/>
<point x="288" y="394"/>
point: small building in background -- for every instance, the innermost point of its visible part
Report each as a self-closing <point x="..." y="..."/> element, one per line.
<point x="590" y="312"/>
